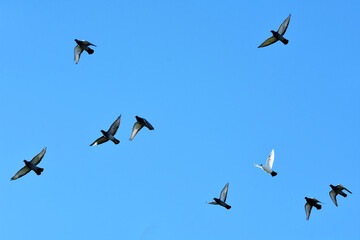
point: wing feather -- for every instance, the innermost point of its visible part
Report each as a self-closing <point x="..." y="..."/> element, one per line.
<point x="114" y="127"/>
<point x="224" y="192"/>
<point x="284" y="26"/>
<point x="333" y="194"/>
<point x="268" y="42"/>
<point x="37" y="159"/>
<point x="270" y="159"/>
<point x="136" y="128"/>
<point x="99" y="141"/>
<point x="77" y="52"/>
<point x="23" y="171"/>
<point x="308" y="208"/>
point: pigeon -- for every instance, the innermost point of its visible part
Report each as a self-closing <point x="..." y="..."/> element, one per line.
<point x="31" y="165"/>
<point x="140" y="123"/>
<point x="109" y="135"/>
<point x="221" y="200"/>
<point x="311" y="202"/>
<point x="279" y="35"/>
<point x="337" y="190"/>
<point x="82" y="45"/>
<point x="269" y="164"/>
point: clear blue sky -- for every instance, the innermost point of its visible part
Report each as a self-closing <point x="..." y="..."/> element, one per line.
<point x="218" y="105"/>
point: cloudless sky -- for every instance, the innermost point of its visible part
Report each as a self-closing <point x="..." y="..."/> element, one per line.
<point x="218" y="105"/>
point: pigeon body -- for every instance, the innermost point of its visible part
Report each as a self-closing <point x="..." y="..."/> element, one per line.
<point x="337" y="190"/>
<point x="140" y="123"/>
<point x="311" y="202"/>
<point x="109" y="135"/>
<point x="221" y="200"/>
<point x="31" y="165"/>
<point x="80" y="47"/>
<point x="269" y="163"/>
<point x="279" y="35"/>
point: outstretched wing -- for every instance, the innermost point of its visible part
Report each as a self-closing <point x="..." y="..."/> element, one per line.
<point x="213" y="203"/>
<point x="268" y="42"/>
<point x="307" y="210"/>
<point x="341" y="187"/>
<point x="99" y="141"/>
<point x="148" y="125"/>
<point x="284" y="26"/>
<point x="21" y="173"/>
<point x="37" y="159"/>
<point x="136" y="128"/>
<point x="257" y="165"/>
<point x="224" y="192"/>
<point x="114" y="127"/>
<point x="333" y="194"/>
<point x="270" y="159"/>
<point x="77" y="52"/>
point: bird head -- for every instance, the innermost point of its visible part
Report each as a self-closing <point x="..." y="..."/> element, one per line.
<point x="261" y="165"/>
<point x="25" y="161"/>
<point x="103" y="131"/>
<point x="272" y="31"/>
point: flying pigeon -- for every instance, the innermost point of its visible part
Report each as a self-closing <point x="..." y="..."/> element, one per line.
<point x="140" y="123"/>
<point x="221" y="200"/>
<point x="337" y="190"/>
<point x="82" y="45"/>
<point x="109" y="135"/>
<point x="269" y="164"/>
<point x="311" y="202"/>
<point x="31" y="165"/>
<point x="279" y="35"/>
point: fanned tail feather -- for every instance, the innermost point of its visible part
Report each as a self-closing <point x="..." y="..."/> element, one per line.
<point x="90" y="51"/>
<point x="38" y="171"/>
<point x="273" y="173"/>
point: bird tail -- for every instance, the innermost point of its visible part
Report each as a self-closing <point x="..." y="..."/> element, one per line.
<point x="273" y="173"/>
<point x="284" y="41"/>
<point x="90" y="51"/>
<point x="343" y="194"/>
<point x="318" y="207"/>
<point x="227" y="207"/>
<point x="116" y="141"/>
<point x="38" y="171"/>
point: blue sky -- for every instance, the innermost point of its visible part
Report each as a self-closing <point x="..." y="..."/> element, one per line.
<point x="218" y="105"/>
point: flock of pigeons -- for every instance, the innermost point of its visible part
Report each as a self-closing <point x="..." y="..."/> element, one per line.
<point x="310" y="202"/>
<point x="141" y="122"/>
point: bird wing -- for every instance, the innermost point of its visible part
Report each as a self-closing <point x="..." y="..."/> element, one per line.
<point x="224" y="192"/>
<point x="77" y="52"/>
<point x="270" y="159"/>
<point x="99" y="141"/>
<point x="307" y="210"/>
<point x="114" y="127"/>
<point x="21" y="173"/>
<point x="268" y="42"/>
<point x="257" y="165"/>
<point x="333" y="194"/>
<point x="136" y="128"/>
<point x="148" y="125"/>
<point x="284" y="25"/>
<point x="341" y="187"/>
<point x="213" y="203"/>
<point x="37" y="159"/>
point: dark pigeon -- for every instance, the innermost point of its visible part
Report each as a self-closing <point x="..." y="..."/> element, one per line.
<point x="279" y="35"/>
<point x="337" y="190"/>
<point x="80" y="47"/>
<point x="109" y="135"/>
<point x="140" y="123"/>
<point x="221" y="200"/>
<point x="311" y="202"/>
<point x="31" y="165"/>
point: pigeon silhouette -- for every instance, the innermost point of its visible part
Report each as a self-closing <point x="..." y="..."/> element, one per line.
<point x="279" y="35"/>
<point x="269" y="164"/>
<point x="109" y="135"/>
<point x="31" y="165"/>
<point x="221" y="200"/>
<point x="337" y="190"/>
<point x="140" y="123"/>
<point x="80" y="47"/>
<point x="311" y="202"/>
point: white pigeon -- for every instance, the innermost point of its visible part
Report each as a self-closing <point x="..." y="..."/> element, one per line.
<point x="269" y="164"/>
